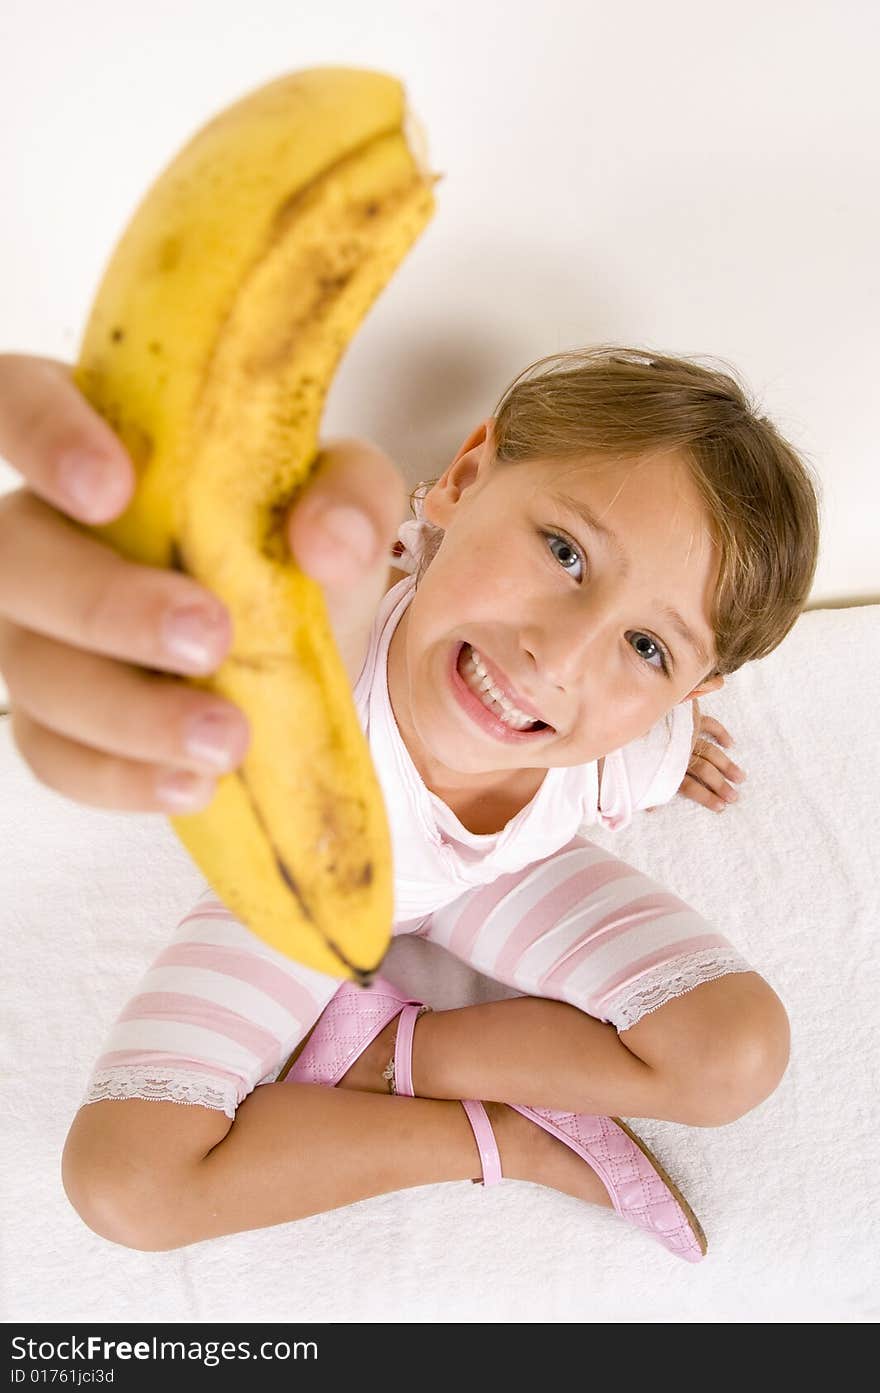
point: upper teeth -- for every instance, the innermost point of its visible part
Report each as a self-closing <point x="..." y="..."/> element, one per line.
<point x="482" y="684"/>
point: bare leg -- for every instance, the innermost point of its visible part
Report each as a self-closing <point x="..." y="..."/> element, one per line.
<point x="291" y="1151"/>
<point x="525" y="1050"/>
<point x="317" y="1148"/>
<point x="704" y="1058"/>
<point x="299" y="1149"/>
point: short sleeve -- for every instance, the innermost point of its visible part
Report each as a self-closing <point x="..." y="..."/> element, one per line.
<point x="407" y="550"/>
<point x="648" y="771"/>
<point x="413" y="535"/>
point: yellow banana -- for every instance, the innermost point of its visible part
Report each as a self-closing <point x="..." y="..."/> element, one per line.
<point x="210" y="347"/>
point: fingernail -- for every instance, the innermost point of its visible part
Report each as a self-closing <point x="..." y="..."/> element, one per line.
<point x="218" y="739"/>
<point x="94" y="486"/>
<point x="195" y="636"/>
<point x="352" y="529"/>
<point x="180" y="791"/>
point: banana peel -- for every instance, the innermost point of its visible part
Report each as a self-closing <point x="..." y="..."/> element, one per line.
<point x="209" y="349"/>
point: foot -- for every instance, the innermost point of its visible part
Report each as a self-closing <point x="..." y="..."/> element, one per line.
<point x="529" y="1153"/>
<point x="365" y="1074"/>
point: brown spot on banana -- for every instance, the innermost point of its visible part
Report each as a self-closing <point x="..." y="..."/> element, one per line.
<point x="333" y="269"/>
<point x="289" y="879"/>
<point x="362" y="975"/>
<point x="286" y="876"/>
<point x="328" y="287"/>
<point x="290" y="208"/>
<point x="274" y="545"/>
<point x="176" y="561"/>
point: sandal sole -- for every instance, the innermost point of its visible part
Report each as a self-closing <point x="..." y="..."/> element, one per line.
<point x="696" y="1226"/>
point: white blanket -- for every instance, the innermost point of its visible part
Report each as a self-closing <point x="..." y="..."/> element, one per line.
<point x="789" y="1195"/>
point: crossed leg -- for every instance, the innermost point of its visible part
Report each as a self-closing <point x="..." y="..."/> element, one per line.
<point x="632" y="1004"/>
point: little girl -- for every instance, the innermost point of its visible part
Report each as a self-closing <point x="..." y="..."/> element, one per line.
<point x="618" y="536"/>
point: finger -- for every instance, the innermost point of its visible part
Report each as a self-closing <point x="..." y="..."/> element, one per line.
<point x="709" y="725"/>
<point x="341" y="532"/>
<point x="713" y="755"/>
<point x="342" y="527"/>
<point x="116" y="709"/>
<point x="100" y="780"/>
<point x="691" y="788"/>
<point x="704" y="771"/>
<point x="54" y="438"/>
<point x="57" y="581"/>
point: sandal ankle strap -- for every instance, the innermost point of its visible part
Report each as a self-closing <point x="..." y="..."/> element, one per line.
<point x="490" y="1159"/>
<point x="398" y="1071"/>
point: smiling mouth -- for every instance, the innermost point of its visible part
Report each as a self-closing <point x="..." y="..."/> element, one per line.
<point x="474" y="675"/>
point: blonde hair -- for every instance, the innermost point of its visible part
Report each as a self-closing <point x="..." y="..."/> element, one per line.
<point x="761" y="495"/>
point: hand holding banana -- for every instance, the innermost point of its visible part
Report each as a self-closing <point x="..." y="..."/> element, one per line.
<point x="209" y="351"/>
<point x="98" y="710"/>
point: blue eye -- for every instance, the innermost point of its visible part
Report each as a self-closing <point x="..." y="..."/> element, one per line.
<point x="575" y="553"/>
<point x="568" y="546"/>
<point x="659" y="652"/>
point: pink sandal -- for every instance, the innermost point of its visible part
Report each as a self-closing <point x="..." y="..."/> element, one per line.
<point x="640" y="1190"/>
<point x="350" y="1021"/>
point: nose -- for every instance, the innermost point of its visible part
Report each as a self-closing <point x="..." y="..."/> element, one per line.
<point x="564" y="650"/>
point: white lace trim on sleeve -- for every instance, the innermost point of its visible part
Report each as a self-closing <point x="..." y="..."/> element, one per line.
<point x="157" y="1085"/>
<point x="670" y="980"/>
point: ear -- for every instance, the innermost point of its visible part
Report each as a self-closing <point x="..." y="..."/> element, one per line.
<point x="712" y="684"/>
<point x="472" y="462"/>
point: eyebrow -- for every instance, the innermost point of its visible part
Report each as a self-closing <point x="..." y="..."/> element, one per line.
<point x="578" y="508"/>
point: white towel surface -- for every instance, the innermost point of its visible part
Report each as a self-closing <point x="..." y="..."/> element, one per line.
<point x="789" y="1195"/>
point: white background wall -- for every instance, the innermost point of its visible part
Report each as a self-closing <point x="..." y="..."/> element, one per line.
<point x="700" y="178"/>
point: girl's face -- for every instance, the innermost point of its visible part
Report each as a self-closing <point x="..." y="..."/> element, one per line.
<point x="568" y="621"/>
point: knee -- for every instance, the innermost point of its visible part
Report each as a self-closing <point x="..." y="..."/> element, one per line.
<point x="743" y="1064"/>
<point x="719" y="1050"/>
<point x="125" y="1207"/>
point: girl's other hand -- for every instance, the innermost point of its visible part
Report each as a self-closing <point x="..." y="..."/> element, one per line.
<point x="709" y="769"/>
<point x="86" y="636"/>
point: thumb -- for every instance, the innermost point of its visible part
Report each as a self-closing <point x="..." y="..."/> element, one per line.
<point x="341" y="529"/>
